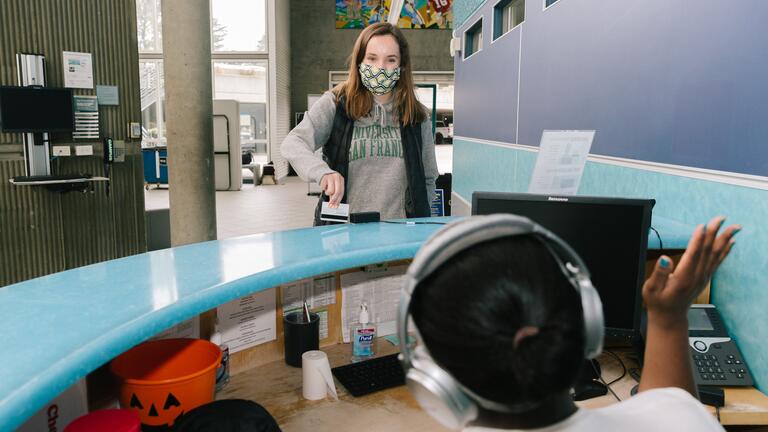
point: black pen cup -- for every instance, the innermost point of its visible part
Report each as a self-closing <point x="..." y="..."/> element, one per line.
<point x="300" y="336"/>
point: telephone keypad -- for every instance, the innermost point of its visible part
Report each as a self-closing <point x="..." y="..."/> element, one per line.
<point x="719" y="365"/>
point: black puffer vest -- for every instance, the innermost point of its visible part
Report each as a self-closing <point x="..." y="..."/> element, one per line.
<point x="336" y="155"/>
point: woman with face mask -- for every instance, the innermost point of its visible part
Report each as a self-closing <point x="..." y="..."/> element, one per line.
<point x="378" y="148"/>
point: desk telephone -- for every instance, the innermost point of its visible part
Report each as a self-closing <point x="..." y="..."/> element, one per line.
<point x="715" y="358"/>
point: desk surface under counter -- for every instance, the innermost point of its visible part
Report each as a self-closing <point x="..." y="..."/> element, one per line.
<point x="59" y="328"/>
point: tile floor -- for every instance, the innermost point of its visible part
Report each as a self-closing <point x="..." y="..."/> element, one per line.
<point x="266" y="208"/>
<point x="254" y="209"/>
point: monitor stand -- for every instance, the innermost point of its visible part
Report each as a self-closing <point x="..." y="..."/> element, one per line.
<point x="588" y="384"/>
<point x="36" y="154"/>
<point x="30" y="70"/>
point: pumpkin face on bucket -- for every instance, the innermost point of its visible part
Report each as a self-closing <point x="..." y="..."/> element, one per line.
<point x="157" y="413"/>
<point x="162" y="379"/>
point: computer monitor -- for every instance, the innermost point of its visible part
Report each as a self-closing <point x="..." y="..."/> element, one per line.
<point x="610" y="235"/>
<point x="36" y="109"/>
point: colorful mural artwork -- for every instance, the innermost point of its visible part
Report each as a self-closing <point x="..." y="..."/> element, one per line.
<point x="416" y="14"/>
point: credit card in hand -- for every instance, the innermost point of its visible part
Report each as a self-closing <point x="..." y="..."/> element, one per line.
<point x="340" y="214"/>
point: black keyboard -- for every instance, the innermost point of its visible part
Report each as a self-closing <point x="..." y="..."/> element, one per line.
<point x="37" y="178"/>
<point x="370" y="376"/>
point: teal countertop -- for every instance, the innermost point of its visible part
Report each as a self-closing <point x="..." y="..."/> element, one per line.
<point x="58" y="328"/>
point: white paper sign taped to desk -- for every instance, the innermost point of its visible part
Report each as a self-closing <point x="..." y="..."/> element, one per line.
<point x="248" y="321"/>
<point x="318" y="291"/>
<point x="380" y="289"/>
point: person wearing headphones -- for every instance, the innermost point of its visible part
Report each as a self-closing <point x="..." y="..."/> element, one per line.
<point x="378" y="148"/>
<point x="505" y="314"/>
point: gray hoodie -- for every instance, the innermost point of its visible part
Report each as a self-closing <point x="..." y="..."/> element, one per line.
<point x="377" y="178"/>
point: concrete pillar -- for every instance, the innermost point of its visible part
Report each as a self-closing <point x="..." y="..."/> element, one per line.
<point x="189" y="120"/>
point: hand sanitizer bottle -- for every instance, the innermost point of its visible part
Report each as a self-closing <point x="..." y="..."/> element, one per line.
<point x="363" y="336"/>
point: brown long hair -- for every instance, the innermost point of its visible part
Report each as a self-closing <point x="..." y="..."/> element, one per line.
<point x="359" y="101"/>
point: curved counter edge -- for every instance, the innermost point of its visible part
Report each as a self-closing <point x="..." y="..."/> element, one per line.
<point x="109" y="307"/>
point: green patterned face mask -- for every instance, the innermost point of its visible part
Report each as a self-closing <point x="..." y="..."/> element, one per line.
<point x="379" y="81"/>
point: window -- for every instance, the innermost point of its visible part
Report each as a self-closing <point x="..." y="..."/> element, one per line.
<point x="238" y="25"/>
<point x="548" y="3"/>
<point x="473" y="39"/>
<point x="152" y="103"/>
<point x="149" y="28"/>
<point x="507" y="14"/>
<point x="239" y="61"/>
<point x="245" y="82"/>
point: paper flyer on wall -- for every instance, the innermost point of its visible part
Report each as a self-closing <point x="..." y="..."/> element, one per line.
<point x="78" y="70"/>
<point x="560" y="162"/>
<point x="380" y="289"/>
<point x="107" y="95"/>
<point x="248" y="321"/>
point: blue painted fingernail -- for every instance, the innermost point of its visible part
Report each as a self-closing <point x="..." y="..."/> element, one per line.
<point x="704" y="228"/>
<point x="736" y="231"/>
<point x="664" y="262"/>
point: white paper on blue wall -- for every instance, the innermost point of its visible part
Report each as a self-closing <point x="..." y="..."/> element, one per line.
<point x="560" y="162"/>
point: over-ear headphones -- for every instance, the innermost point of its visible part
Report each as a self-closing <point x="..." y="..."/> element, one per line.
<point x="442" y="396"/>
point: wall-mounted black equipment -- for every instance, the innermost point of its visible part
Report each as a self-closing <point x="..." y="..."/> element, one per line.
<point x="36" y="109"/>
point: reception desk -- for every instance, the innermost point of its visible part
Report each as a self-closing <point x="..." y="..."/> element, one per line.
<point x="59" y="328"/>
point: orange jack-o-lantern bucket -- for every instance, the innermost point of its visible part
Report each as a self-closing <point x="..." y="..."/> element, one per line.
<point x="163" y="379"/>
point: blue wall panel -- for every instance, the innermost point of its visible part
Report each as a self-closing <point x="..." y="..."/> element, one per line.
<point x="738" y="288"/>
<point x="478" y="113"/>
<point x="672" y="82"/>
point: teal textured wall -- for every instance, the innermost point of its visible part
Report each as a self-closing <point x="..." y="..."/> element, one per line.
<point x="738" y="288"/>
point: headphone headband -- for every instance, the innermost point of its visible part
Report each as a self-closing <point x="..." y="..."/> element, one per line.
<point x="454" y="405"/>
